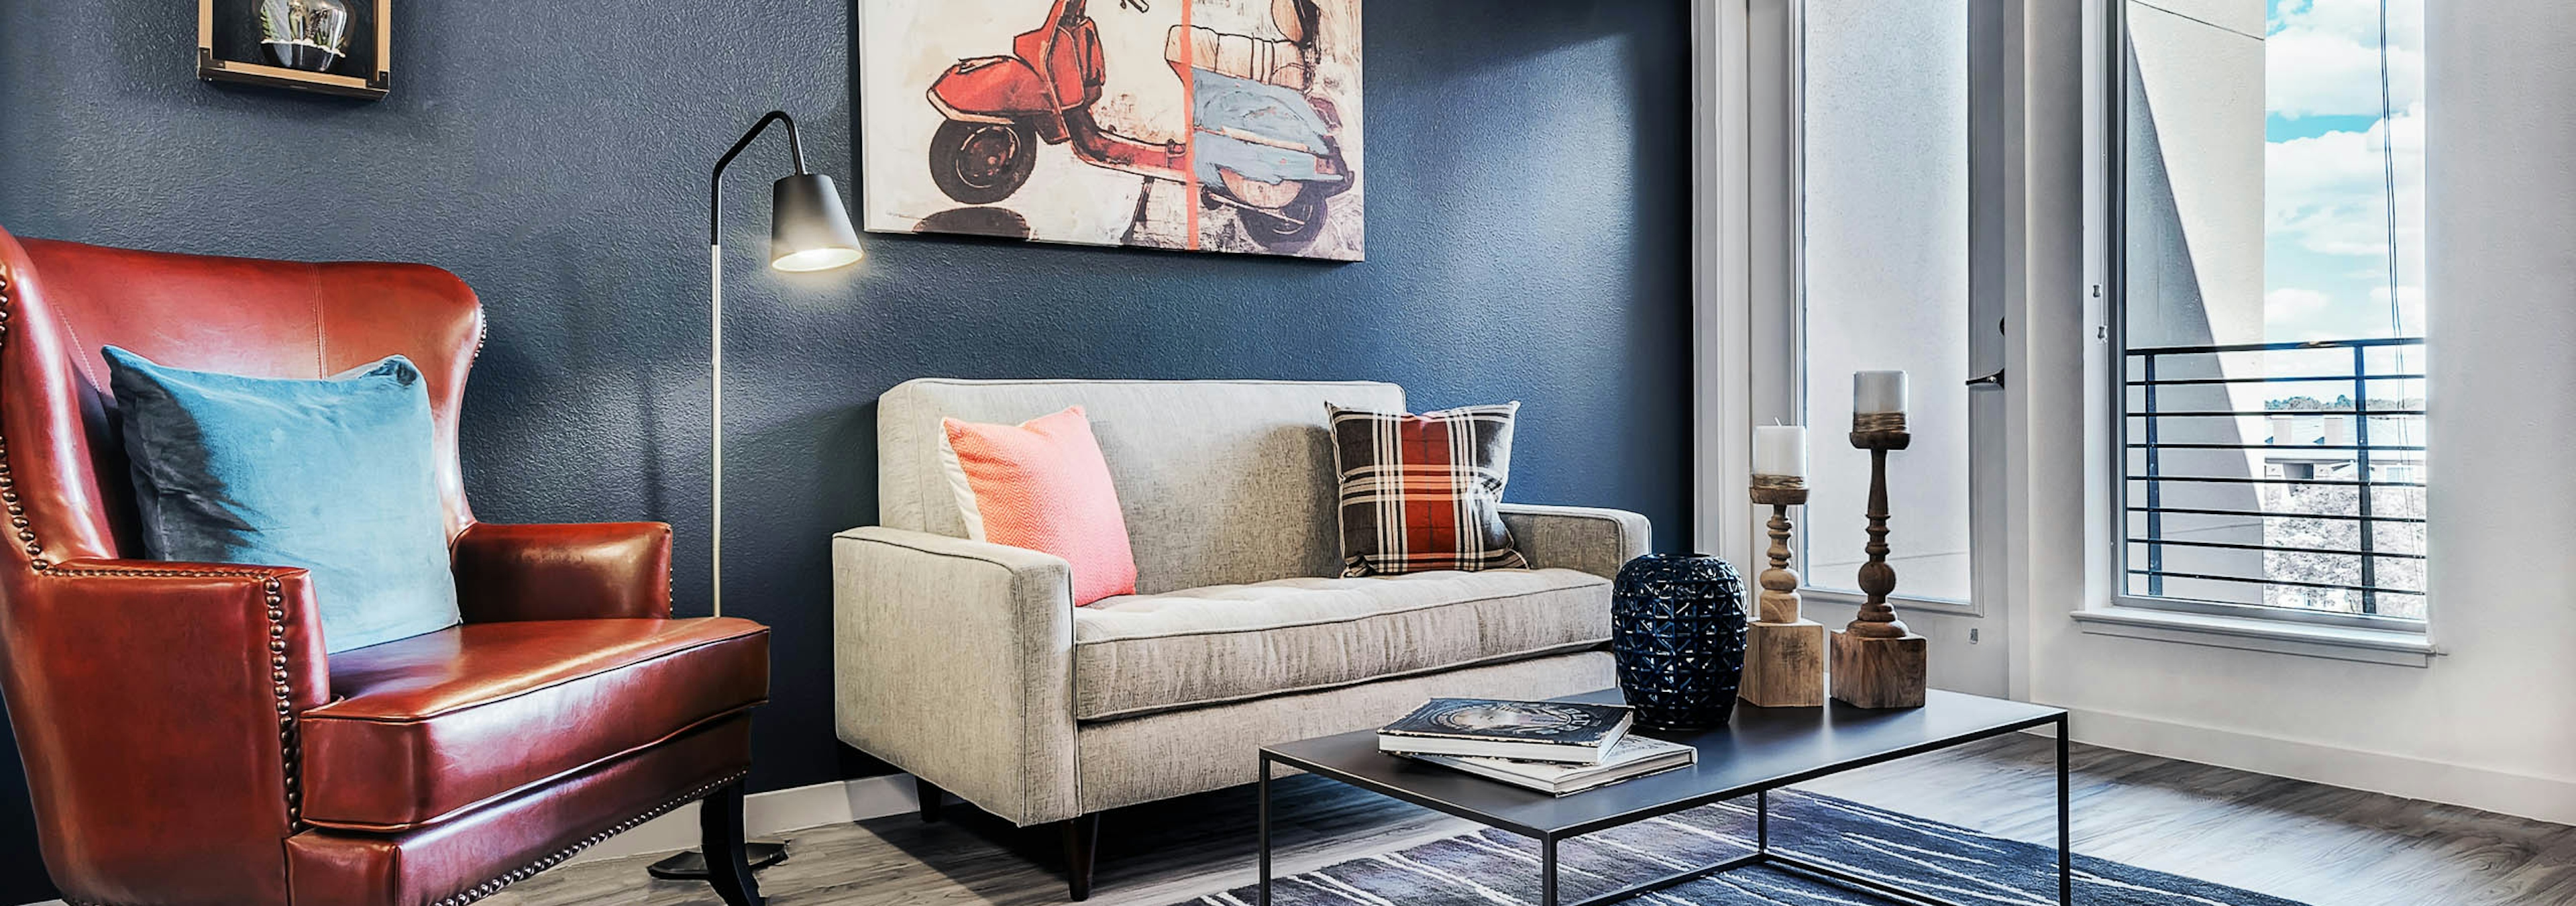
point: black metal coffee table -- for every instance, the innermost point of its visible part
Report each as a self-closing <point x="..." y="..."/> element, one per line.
<point x="1761" y="750"/>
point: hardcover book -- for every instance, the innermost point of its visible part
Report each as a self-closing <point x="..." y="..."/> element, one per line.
<point x="1629" y="758"/>
<point x="1567" y="732"/>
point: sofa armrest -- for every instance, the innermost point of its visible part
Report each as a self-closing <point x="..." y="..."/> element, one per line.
<point x="156" y="708"/>
<point x="607" y="570"/>
<point x="953" y="660"/>
<point x="1591" y="539"/>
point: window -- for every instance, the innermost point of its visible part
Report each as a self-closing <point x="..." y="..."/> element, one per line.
<point x="2270" y="279"/>
<point x="1883" y="271"/>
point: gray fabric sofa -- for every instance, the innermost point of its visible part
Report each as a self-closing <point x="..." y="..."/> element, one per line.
<point x="966" y="664"/>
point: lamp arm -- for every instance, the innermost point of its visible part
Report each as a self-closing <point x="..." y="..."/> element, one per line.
<point x="715" y="181"/>
<point x="715" y="353"/>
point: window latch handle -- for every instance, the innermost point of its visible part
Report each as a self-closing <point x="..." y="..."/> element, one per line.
<point x="1993" y="381"/>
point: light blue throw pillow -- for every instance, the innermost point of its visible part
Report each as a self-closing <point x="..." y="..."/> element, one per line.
<point x="337" y="475"/>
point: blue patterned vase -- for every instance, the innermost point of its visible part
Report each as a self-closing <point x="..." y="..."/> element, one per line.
<point x="1677" y="629"/>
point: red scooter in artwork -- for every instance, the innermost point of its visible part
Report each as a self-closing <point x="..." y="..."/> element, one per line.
<point x="1257" y="142"/>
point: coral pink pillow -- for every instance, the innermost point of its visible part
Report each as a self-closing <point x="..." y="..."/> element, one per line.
<point x="1043" y="485"/>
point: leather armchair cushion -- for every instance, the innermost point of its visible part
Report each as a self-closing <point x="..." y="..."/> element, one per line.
<point x="467" y="857"/>
<point x="426" y="727"/>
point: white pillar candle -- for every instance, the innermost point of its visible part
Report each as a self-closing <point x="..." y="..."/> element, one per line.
<point x="1878" y="392"/>
<point x="1780" y="450"/>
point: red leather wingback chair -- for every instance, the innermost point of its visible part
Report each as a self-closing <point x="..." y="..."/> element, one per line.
<point x="187" y="741"/>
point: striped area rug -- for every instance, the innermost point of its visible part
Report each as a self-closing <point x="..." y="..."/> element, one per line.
<point x="1494" y="868"/>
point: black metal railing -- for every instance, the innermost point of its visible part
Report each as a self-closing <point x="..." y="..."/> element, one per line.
<point x="2154" y="372"/>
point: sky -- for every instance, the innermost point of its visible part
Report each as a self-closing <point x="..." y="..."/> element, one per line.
<point x="2326" y="249"/>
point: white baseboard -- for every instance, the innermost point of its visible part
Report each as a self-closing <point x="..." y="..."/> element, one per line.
<point x="2548" y="799"/>
<point x="769" y="814"/>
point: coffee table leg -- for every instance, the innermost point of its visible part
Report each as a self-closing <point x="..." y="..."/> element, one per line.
<point x="1263" y="898"/>
<point x="1547" y="872"/>
<point x="2065" y="831"/>
<point x="1762" y="821"/>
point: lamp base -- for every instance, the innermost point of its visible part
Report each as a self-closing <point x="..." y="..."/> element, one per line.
<point x="691" y="866"/>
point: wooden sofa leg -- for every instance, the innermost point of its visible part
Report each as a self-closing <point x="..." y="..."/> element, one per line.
<point x="930" y="797"/>
<point x="1081" y="842"/>
<point x="728" y="867"/>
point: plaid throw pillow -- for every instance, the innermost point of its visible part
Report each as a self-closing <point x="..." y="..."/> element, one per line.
<point x="1424" y="492"/>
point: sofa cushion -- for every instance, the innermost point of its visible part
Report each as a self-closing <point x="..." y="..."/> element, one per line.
<point x="1041" y="485"/>
<point x="431" y="725"/>
<point x="1424" y="493"/>
<point x="1143" y="653"/>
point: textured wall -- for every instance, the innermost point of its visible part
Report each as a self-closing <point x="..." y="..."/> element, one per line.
<point x="1528" y="227"/>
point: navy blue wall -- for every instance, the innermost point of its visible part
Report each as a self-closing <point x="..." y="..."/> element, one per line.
<point x="1528" y="168"/>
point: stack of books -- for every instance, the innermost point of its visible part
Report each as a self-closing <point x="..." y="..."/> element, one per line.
<point x="1552" y="747"/>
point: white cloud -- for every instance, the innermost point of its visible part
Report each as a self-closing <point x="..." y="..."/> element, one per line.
<point x="2322" y="59"/>
<point x="2328" y="193"/>
<point x="2291" y="303"/>
<point x="2292" y="313"/>
<point x="2410" y="307"/>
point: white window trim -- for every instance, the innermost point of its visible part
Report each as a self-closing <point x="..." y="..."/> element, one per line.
<point x="1772" y="314"/>
<point x="2103" y="612"/>
<point x="1722" y="275"/>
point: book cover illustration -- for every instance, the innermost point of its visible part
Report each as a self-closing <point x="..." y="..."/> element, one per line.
<point x="1563" y="723"/>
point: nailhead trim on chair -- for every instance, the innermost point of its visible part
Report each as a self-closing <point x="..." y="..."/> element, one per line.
<point x="9" y="482"/>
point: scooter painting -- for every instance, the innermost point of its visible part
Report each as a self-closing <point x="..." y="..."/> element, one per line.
<point x="1265" y="160"/>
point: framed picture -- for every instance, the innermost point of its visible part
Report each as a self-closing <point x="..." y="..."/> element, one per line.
<point x="342" y="47"/>
<point x="1209" y="125"/>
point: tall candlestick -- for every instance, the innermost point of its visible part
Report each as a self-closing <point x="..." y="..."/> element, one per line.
<point x="1780" y="450"/>
<point x="1878" y="662"/>
<point x="1877" y="620"/>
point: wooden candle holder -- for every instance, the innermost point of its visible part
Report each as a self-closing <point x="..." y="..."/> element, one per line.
<point x="1878" y="662"/>
<point x="1784" y="653"/>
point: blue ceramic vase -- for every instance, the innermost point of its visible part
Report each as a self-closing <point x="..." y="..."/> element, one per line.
<point x="1677" y="630"/>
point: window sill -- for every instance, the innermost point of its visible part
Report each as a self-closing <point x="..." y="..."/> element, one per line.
<point x="2370" y="646"/>
<point x="1902" y="603"/>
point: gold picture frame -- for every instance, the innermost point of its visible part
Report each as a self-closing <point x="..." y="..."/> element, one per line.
<point x="214" y="68"/>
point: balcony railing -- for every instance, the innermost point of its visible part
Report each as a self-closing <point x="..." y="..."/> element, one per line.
<point x="2175" y="395"/>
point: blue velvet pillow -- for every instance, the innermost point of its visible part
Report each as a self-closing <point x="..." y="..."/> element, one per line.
<point x="337" y="475"/>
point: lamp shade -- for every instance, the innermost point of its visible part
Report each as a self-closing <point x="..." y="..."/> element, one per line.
<point x="809" y="230"/>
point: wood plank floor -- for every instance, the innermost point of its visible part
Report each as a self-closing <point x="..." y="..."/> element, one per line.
<point x="2302" y="841"/>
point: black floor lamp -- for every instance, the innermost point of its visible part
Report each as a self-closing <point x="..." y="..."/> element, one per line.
<point x="809" y="230"/>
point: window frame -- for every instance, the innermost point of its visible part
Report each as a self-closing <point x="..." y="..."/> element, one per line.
<point x="1780" y="370"/>
<point x="2113" y="326"/>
